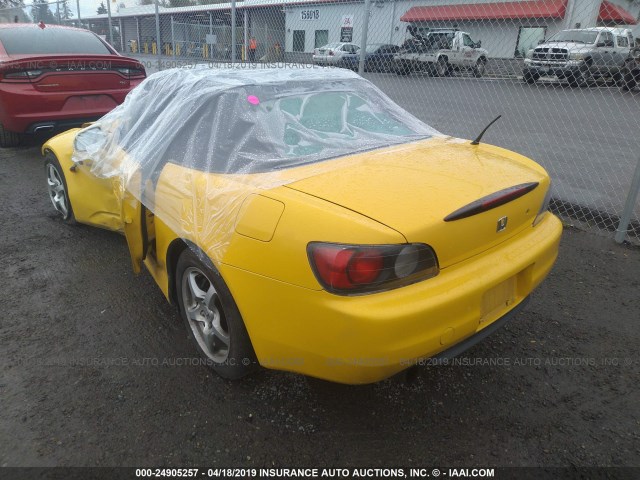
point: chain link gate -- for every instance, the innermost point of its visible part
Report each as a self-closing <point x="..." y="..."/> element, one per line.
<point x="562" y="73"/>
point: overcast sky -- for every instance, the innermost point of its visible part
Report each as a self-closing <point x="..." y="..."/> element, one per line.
<point x="87" y="7"/>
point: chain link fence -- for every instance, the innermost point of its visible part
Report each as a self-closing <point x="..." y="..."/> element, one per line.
<point x="562" y="73"/>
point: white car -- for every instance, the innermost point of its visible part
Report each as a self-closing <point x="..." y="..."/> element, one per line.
<point x="336" y="54"/>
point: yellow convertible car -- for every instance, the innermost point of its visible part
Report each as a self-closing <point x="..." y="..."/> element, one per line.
<point x="302" y="221"/>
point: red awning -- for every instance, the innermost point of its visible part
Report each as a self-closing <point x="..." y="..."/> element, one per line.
<point x="612" y="13"/>
<point x="488" y="11"/>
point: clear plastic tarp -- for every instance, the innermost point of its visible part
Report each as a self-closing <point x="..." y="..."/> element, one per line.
<point x="232" y="132"/>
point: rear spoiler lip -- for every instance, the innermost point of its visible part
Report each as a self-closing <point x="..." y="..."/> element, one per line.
<point x="491" y="201"/>
<point x="42" y="61"/>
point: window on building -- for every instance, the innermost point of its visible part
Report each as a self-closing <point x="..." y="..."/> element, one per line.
<point x="528" y="38"/>
<point x="298" y="40"/>
<point x="322" y="38"/>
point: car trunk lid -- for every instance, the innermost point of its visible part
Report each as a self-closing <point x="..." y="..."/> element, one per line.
<point x="73" y="73"/>
<point x="414" y="187"/>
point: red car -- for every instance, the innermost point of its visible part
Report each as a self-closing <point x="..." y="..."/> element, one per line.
<point x="54" y="77"/>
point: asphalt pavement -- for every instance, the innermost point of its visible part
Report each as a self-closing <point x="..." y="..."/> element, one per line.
<point x="96" y="370"/>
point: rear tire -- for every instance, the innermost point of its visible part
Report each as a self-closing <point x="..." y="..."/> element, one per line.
<point x="628" y="81"/>
<point x="9" y="139"/>
<point x="212" y="318"/>
<point x="480" y="68"/>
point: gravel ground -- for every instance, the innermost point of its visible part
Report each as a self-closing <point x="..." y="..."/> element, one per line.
<point x="76" y="322"/>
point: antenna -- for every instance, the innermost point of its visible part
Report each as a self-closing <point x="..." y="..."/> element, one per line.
<point x="479" y="137"/>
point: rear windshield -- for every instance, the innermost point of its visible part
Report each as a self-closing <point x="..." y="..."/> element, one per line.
<point x="49" y="40"/>
<point x="285" y="129"/>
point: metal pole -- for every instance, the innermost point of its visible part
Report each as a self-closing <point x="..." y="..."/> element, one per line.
<point x="246" y="33"/>
<point x="210" y="53"/>
<point x="632" y="196"/>
<point x="233" y="31"/>
<point x="109" y="17"/>
<point x="363" y="39"/>
<point x="158" y="43"/>
<point x="173" y="38"/>
<point x="139" y="46"/>
<point x="79" y="18"/>
<point x="121" y="35"/>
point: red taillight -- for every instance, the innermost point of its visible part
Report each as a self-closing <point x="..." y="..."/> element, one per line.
<point x="331" y="265"/>
<point x="132" y="72"/>
<point x="365" y="267"/>
<point x="353" y="269"/>
<point x="21" y="75"/>
<point x="491" y="201"/>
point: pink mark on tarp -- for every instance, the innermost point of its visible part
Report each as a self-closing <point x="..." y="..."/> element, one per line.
<point x="253" y="100"/>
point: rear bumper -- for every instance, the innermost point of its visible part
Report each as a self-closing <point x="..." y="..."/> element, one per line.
<point x="59" y="125"/>
<point x="23" y="109"/>
<point x="367" y="338"/>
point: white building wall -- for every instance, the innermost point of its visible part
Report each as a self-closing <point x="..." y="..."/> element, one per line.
<point x="499" y="37"/>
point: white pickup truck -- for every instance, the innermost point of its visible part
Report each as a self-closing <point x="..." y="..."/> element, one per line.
<point x="440" y="52"/>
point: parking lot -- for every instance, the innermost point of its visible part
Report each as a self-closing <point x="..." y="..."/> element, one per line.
<point x="578" y="134"/>
<point x="94" y="366"/>
<point x="585" y="137"/>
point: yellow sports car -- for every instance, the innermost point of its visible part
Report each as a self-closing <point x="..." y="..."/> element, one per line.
<point x="302" y="221"/>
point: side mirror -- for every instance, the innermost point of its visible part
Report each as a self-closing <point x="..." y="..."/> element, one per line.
<point x="478" y="44"/>
<point x="87" y="141"/>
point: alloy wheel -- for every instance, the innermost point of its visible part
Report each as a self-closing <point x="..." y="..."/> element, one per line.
<point x="205" y="314"/>
<point x="57" y="192"/>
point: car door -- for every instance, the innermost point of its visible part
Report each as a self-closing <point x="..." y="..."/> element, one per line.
<point x="621" y="51"/>
<point x="604" y="55"/>
<point x="468" y="51"/>
<point x="455" y="51"/>
<point x="96" y="195"/>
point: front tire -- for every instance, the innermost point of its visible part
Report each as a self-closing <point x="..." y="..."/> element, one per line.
<point x="442" y="67"/>
<point x="581" y="77"/>
<point x="212" y="318"/>
<point x="57" y="187"/>
<point x="530" y="78"/>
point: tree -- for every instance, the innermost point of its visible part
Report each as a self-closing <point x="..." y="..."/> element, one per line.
<point x="102" y="9"/>
<point x="65" y="10"/>
<point x="11" y="3"/>
<point x="41" y="13"/>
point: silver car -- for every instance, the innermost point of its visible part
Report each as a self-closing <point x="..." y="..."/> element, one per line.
<point x="336" y="54"/>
